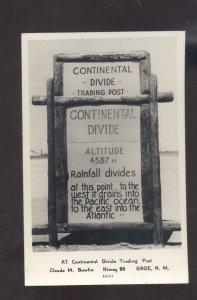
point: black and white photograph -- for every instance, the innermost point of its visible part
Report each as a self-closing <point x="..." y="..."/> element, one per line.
<point x="104" y="158"/>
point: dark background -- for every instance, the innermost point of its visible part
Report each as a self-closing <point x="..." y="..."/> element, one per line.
<point x="16" y="17"/>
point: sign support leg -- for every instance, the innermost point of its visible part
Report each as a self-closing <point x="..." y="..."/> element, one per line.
<point x="52" y="218"/>
<point x="158" y="236"/>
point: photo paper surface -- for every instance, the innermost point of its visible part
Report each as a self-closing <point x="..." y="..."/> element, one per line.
<point x="104" y="158"/>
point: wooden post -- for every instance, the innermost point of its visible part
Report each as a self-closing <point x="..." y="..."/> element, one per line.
<point x="145" y="136"/>
<point x="158" y="238"/>
<point x="52" y="219"/>
<point x="61" y="163"/>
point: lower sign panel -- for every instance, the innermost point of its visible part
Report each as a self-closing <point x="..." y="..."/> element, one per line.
<point x="104" y="165"/>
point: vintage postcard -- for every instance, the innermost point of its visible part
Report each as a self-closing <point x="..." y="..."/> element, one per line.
<point x="104" y="158"/>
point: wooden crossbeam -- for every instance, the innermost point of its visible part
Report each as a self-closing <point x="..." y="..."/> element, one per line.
<point x="84" y="101"/>
<point x="64" y="227"/>
<point x="134" y="56"/>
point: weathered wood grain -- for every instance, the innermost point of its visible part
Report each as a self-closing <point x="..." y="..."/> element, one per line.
<point x="61" y="164"/>
<point x="64" y="227"/>
<point x="134" y="56"/>
<point x="71" y="101"/>
<point x="145" y="70"/>
<point x="61" y="168"/>
<point x="158" y="238"/>
<point x="145" y="136"/>
<point x="53" y="239"/>
<point x="146" y="163"/>
<point x="58" y="79"/>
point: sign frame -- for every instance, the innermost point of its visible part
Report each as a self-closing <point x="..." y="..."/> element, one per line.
<point x="141" y="57"/>
<point x="57" y="149"/>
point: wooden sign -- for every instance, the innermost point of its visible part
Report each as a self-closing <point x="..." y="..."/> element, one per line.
<point x="101" y="150"/>
<point x="103" y="143"/>
<point x="104" y="182"/>
<point x="104" y="164"/>
<point x="101" y="80"/>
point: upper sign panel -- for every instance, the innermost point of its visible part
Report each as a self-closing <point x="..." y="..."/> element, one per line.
<point x="101" y="80"/>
